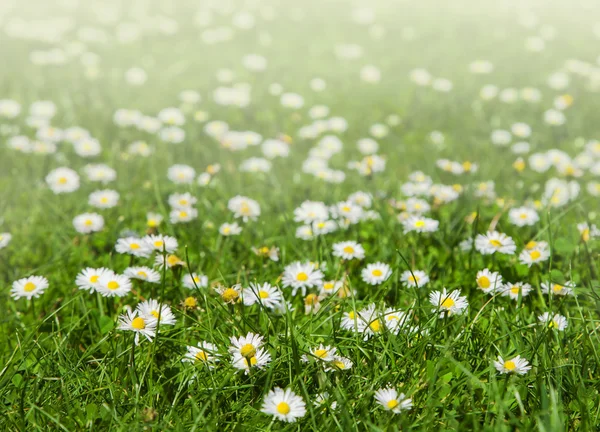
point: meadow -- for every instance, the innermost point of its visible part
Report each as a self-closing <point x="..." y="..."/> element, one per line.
<point x="302" y="216"/>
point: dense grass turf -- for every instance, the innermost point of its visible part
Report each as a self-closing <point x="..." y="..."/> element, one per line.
<point x="66" y="365"/>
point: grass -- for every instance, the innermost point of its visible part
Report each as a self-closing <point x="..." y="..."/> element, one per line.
<point x="64" y="365"/>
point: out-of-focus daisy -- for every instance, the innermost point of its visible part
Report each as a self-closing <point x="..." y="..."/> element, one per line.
<point x="320" y="353"/>
<point x="493" y="242"/>
<point x="29" y="287"/>
<point x="153" y="220"/>
<point x="103" y="198"/>
<point x="523" y="216"/>
<point x="514" y="290"/>
<point x="228" y="229"/>
<point x="142" y="273"/>
<point x="301" y="276"/>
<point x="448" y="303"/>
<point x="272" y="253"/>
<point x="205" y="353"/>
<point x="557" y="322"/>
<point x="170" y="260"/>
<point x="348" y="250"/>
<point x="377" y="273"/>
<point x="5" y="239"/>
<point x="516" y="365"/>
<point x="534" y="255"/>
<point x="194" y="280"/>
<point x="87" y="223"/>
<point x="338" y="363"/>
<point x="183" y="215"/>
<point x="391" y="400"/>
<point x="244" y="207"/>
<point x="420" y="224"/>
<point x="488" y="281"/>
<point x="558" y="289"/>
<point x="133" y="246"/>
<point x="264" y="294"/>
<point x="284" y="405"/>
<point x="62" y="180"/>
<point x="132" y="321"/>
<point x="414" y="278"/>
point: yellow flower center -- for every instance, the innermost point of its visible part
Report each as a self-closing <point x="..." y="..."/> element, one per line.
<point x="230" y="295"/>
<point x="349" y="249"/>
<point x="302" y="276"/>
<point x="510" y="365"/>
<point x="103" y="200"/>
<point x="495" y="243"/>
<point x="375" y="326"/>
<point x="201" y="355"/>
<point x="483" y="282"/>
<point x="226" y="230"/>
<point x="327" y="286"/>
<point x="515" y="290"/>
<point x="190" y="302"/>
<point x="535" y="254"/>
<point x="531" y="245"/>
<point x="419" y="224"/>
<point x="263" y="294"/>
<point x="413" y="279"/>
<point x="152" y="223"/>
<point x="62" y="180"/>
<point x="339" y="364"/>
<point x="345" y="209"/>
<point x="283" y="408"/>
<point x="448" y="303"/>
<point x="173" y="260"/>
<point x="113" y="285"/>
<point x="311" y="300"/>
<point x="248" y="350"/>
<point x="585" y="234"/>
<point x="134" y="246"/>
<point x="183" y="214"/>
<point x="321" y="353"/>
<point x="467" y="165"/>
<point x="376" y="272"/>
<point x="557" y="288"/>
<point x="29" y="286"/>
<point x="142" y="274"/>
<point x="351" y="315"/>
<point x="94" y="278"/>
<point x="393" y="404"/>
<point x="158" y="243"/>
<point x="264" y="250"/>
<point x="138" y="323"/>
<point x="88" y="222"/>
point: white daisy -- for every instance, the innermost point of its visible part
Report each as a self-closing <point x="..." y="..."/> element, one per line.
<point x="448" y="303"/>
<point x="391" y="400"/>
<point x="556" y="321"/>
<point x="516" y="365"/>
<point x="414" y="278"/>
<point x="142" y="273"/>
<point x="285" y="405"/>
<point x="420" y="224"/>
<point x="228" y="229"/>
<point x="29" y="287"/>
<point x="87" y="223"/>
<point x="161" y="243"/>
<point x="194" y="280"/>
<point x="488" y="281"/>
<point x="376" y="274"/>
<point x="144" y="326"/>
<point x="205" y="352"/>
<point x="513" y="290"/>
<point x="301" y="276"/>
<point x="533" y="256"/>
<point x="523" y="216"/>
<point x="493" y="242"/>
<point x="244" y="207"/>
<point x="62" y="180"/>
<point x="153" y="309"/>
<point x="133" y="246"/>
<point x="348" y="250"/>
<point x="264" y="294"/>
<point x="258" y="360"/>
<point x="88" y="278"/>
<point x="111" y="284"/>
<point x="5" y="239"/>
<point x="558" y="289"/>
<point x="103" y="199"/>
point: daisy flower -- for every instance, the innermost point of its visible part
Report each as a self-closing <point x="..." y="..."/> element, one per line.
<point x="312" y="304"/>
<point x="244" y="207"/>
<point x="556" y="322"/>
<point x="111" y="284"/>
<point x="265" y="294"/>
<point x="348" y="250"/>
<point x="103" y="199"/>
<point x="338" y="363"/>
<point x="285" y="405"/>
<point x="523" y="216"/>
<point x="246" y="346"/>
<point x="558" y="289"/>
<point x="350" y="321"/>
<point x="414" y="278"/>
<point x="533" y="256"/>
<point x="516" y="365"/>
<point x="183" y="215"/>
<point x="181" y="174"/>
<point x="259" y="359"/>
<point x="228" y="229"/>
<point x="391" y="400"/>
<point x="142" y="273"/>
<point x="88" y="278"/>
<point x="62" y="180"/>
<point x="394" y="320"/>
<point x="320" y="353"/>
<point x="5" y="239"/>
<point x="131" y="321"/>
<point x="420" y="224"/>
<point x="153" y="220"/>
<point x="30" y="287"/>
<point x="205" y="352"/>
<point x="324" y="400"/>
<point x="330" y="287"/>
<point x="301" y="276"/>
<point x="448" y="303"/>
<point x="311" y="211"/>
<point x="194" y="280"/>
<point x="272" y="253"/>
<point x="153" y="309"/>
<point x="169" y="260"/>
<point x="87" y="223"/>
<point x="133" y="246"/>
<point x="513" y="290"/>
<point x="230" y="294"/>
<point x="376" y="274"/>
<point x="369" y="322"/>
<point x="488" y="281"/>
<point x="182" y="201"/>
<point x="161" y="242"/>
<point x="493" y="242"/>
